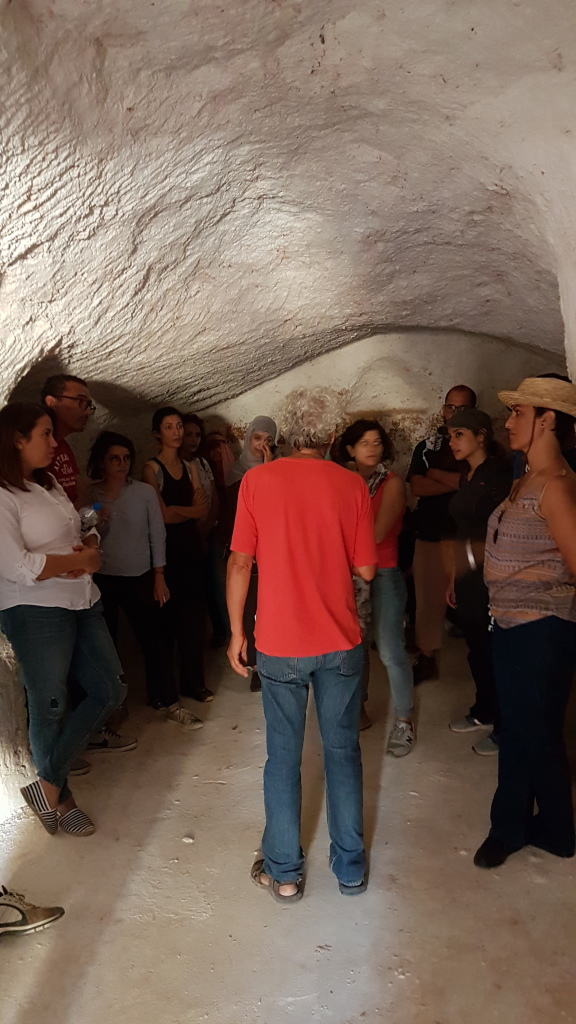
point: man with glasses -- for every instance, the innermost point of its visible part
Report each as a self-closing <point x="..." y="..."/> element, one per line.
<point x="434" y="526"/>
<point x="70" y="406"/>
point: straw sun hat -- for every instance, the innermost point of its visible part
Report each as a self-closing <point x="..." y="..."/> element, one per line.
<point x="544" y="392"/>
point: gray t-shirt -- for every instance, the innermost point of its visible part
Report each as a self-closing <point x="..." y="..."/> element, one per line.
<point x="134" y="537"/>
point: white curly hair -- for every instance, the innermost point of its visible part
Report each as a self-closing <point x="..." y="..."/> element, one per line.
<point x="309" y="417"/>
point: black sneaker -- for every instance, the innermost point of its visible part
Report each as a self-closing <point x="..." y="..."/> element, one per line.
<point x="425" y="668"/>
<point x="203" y="695"/>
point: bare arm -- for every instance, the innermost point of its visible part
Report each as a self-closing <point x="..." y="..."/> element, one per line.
<point x="176" y="513"/>
<point x="392" y="505"/>
<point x="86" y="559"/>
<point x="425" y="487"/>
<point x="365" y="572"/>
<point x="558" y="507"/>
<point x="237" y="583"/>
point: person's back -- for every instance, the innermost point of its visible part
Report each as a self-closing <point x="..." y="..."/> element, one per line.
<point x="302" y="522"/>
<point x="309" y="525"/>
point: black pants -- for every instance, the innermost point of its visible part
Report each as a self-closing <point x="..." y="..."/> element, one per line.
<point x="182" y="628"/>
<point x="534" y="666"/>
<point x="214" y="577"/>
<point x="474" y="620"/>
<point x="134" y="595"/>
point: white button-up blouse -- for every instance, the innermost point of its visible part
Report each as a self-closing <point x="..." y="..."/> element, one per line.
<point x="35" y="523"/>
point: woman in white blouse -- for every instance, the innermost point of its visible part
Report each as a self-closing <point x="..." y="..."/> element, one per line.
<point x="50" y="611"/>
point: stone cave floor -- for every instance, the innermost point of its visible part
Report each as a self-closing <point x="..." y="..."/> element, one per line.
<point x="163" y="925"/>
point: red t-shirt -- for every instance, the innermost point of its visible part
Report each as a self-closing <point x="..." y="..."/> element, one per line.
<point x="387" y="549"/>
<point x="307" y="522"/>
<point x="65" y="468"/>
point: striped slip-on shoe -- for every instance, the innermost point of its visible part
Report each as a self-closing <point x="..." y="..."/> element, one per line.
<point x="76" y="823"/>
<point x="35" y="797"/>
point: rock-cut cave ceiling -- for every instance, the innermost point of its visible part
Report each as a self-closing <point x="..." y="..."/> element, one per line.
<point x="197" y="197"/>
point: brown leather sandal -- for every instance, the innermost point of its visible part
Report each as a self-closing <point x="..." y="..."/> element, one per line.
<point x="274" y="887"/>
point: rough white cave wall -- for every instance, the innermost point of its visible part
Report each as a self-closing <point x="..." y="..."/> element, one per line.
<point x="196" y="199"/>
<point x="225" y="192"/>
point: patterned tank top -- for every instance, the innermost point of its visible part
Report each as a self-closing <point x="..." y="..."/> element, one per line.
<point x="526" y="576"/>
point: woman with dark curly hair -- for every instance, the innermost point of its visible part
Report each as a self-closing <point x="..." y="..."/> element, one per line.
<point x="368" y="445"/>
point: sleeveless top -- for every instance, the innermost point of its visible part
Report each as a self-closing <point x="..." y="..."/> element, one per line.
<point x="526" y="576"/>
<point x="387" y="549"/>
<point x="183" y="544"/>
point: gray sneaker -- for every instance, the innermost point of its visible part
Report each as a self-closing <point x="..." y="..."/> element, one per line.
<point x="486" y="747"/>
<point x="401" y="739"/>
<point x="181" y="716"/>
<point x="79" y="767"/>
<point x="20" y="917"/>
<point x="108" y="740"/>
<point x="468" y="724"/>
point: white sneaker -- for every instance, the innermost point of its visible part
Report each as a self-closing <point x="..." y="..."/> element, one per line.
<point x="183" y="717"/>
<point x="401" y="739"/>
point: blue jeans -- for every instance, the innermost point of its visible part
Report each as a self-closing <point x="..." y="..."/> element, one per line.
<point x="51" y="645"/>
<point x="388" y="607"/>
<point x="335" y="680"/>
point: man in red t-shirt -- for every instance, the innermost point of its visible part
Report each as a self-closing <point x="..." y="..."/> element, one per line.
<point x="308" y="524"/>
<point x="68" y="401"/>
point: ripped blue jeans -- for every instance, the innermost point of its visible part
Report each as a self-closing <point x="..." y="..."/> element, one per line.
<point x="53" y="645"/>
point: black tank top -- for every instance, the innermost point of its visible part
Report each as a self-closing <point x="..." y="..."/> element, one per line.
<point x="183" y="545"/>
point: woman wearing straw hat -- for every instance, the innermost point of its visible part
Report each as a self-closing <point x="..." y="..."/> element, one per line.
<point x="530" y="571"/>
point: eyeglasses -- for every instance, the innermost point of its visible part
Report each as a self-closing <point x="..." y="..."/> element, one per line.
<point x="456" y="408"/>
<point x="83" y="403"/>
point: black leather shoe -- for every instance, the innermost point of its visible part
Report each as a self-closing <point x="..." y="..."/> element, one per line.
<point x="537" y="837"/>
<point x="492" y="853"/>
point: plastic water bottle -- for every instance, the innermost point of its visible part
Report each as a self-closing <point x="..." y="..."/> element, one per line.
<point x="89" y="517"/>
